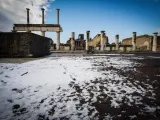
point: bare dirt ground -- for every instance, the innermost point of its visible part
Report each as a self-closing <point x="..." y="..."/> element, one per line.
<point x="128" y="90"/>
<point x="16" y="60"/>
<point x="146" y="73"/>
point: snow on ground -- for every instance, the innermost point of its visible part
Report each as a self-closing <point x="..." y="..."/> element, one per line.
<point x="69" y="87"/>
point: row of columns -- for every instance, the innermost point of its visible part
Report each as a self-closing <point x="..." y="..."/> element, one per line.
<point x="87" y="39"/>
<point x="43" y="22"/>
<point x="154" y="47"/>
<point x="102" y="39"/>
<point x="154" y="44"/>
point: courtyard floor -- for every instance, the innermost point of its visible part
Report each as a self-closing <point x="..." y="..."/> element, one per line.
<point x="97" y="87"/>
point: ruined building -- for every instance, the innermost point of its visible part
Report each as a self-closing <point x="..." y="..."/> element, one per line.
<point x="96" y="41"/>
<point x="79" y="42"/>
<point x="135" y="43"/>
<point x="144" y="42"/>
<point x="21" y="44"/>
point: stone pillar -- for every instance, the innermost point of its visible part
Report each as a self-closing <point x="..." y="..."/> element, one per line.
<point x="43" y="33"/>
<point x="117" y="42"/>
<point x="58" y="16"/>
<point x="134" y="41"/>
<point x="87" y="39"/>
<point x="154" y="47"/>
<point x="27" y="15"/>
<point x="42" y="15"/>
<point x="73" y="41"/>
<point x="102" y="41"/>
<point x="58" y="41"/>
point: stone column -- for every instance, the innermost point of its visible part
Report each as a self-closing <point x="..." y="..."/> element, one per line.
<point x="154" y="47"/>
<point x="102" y="41"/>
<point x="87" y="39"/>
<point x="42" y="15"/>
<point x="58" y="16"/>
<point x="27" y="15"/>
<point x="43" y="32"/>
<point x="28" y="22"/>
<point x="117" y="42"/>
<point x="58" y="41"/>
<point x="134" y="41"/>
<point x="73" y="41"/>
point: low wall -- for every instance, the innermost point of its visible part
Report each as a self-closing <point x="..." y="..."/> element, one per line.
<point x="67" y="48"/>
<point x="22" y="44"/>
<point x="128" y="49"/>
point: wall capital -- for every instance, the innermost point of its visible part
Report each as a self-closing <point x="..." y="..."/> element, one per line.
<point x="102" y="31"/>
<point x="133" y="33"/>
<point x="155" y="33"/>
<point x="117" y="36"/>
<point x="42" y="9"/>
<point x="27" y="9"/>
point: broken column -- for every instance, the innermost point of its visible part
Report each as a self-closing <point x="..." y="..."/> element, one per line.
<point x="42" y="15"/>
<point x="58" y="32"/>
<point x="28" y="22"/>
<point x="58" y="41"/>
<point x="154" y="47"/>
<point x="27" y="15"/>
<point x="58" y="16"/>
<point x="87" y="39"/>
<point x="43" y="32"/>
<point x="72" y="41"/>
<point x="117" y="42"/>
<point x="102" y="41"/>
<point x="134" y="41"/>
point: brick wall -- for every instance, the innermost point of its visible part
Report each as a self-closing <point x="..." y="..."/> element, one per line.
<point x="21" y="44"/>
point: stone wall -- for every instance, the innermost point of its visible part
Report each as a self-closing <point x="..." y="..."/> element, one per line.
<point x="97" y="39"/>
<point x="66" y="48"/>
<point x="143" y="41"/>
<point x="21" y="44"/>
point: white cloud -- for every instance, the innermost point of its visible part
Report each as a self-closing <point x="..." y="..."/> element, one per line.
<point x="14" y="11"/>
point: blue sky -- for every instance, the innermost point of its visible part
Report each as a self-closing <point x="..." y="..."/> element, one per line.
<point x="114" y="16"/>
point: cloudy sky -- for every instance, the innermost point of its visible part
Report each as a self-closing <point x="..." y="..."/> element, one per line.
<point x="114" y="16"/>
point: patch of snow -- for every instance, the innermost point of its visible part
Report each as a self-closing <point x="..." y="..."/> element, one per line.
<point x="133" y="116"/>
<point x="150" y="109"/>
<point x="46" y="86"/>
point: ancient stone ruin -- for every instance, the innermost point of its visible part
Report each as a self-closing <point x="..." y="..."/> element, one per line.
<point x="18" y="43"/>
<point x="100" y="43"/>
<point x="21" y="44"/>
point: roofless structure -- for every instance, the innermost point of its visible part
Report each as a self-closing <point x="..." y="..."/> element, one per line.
<point x="41" y="27"/>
